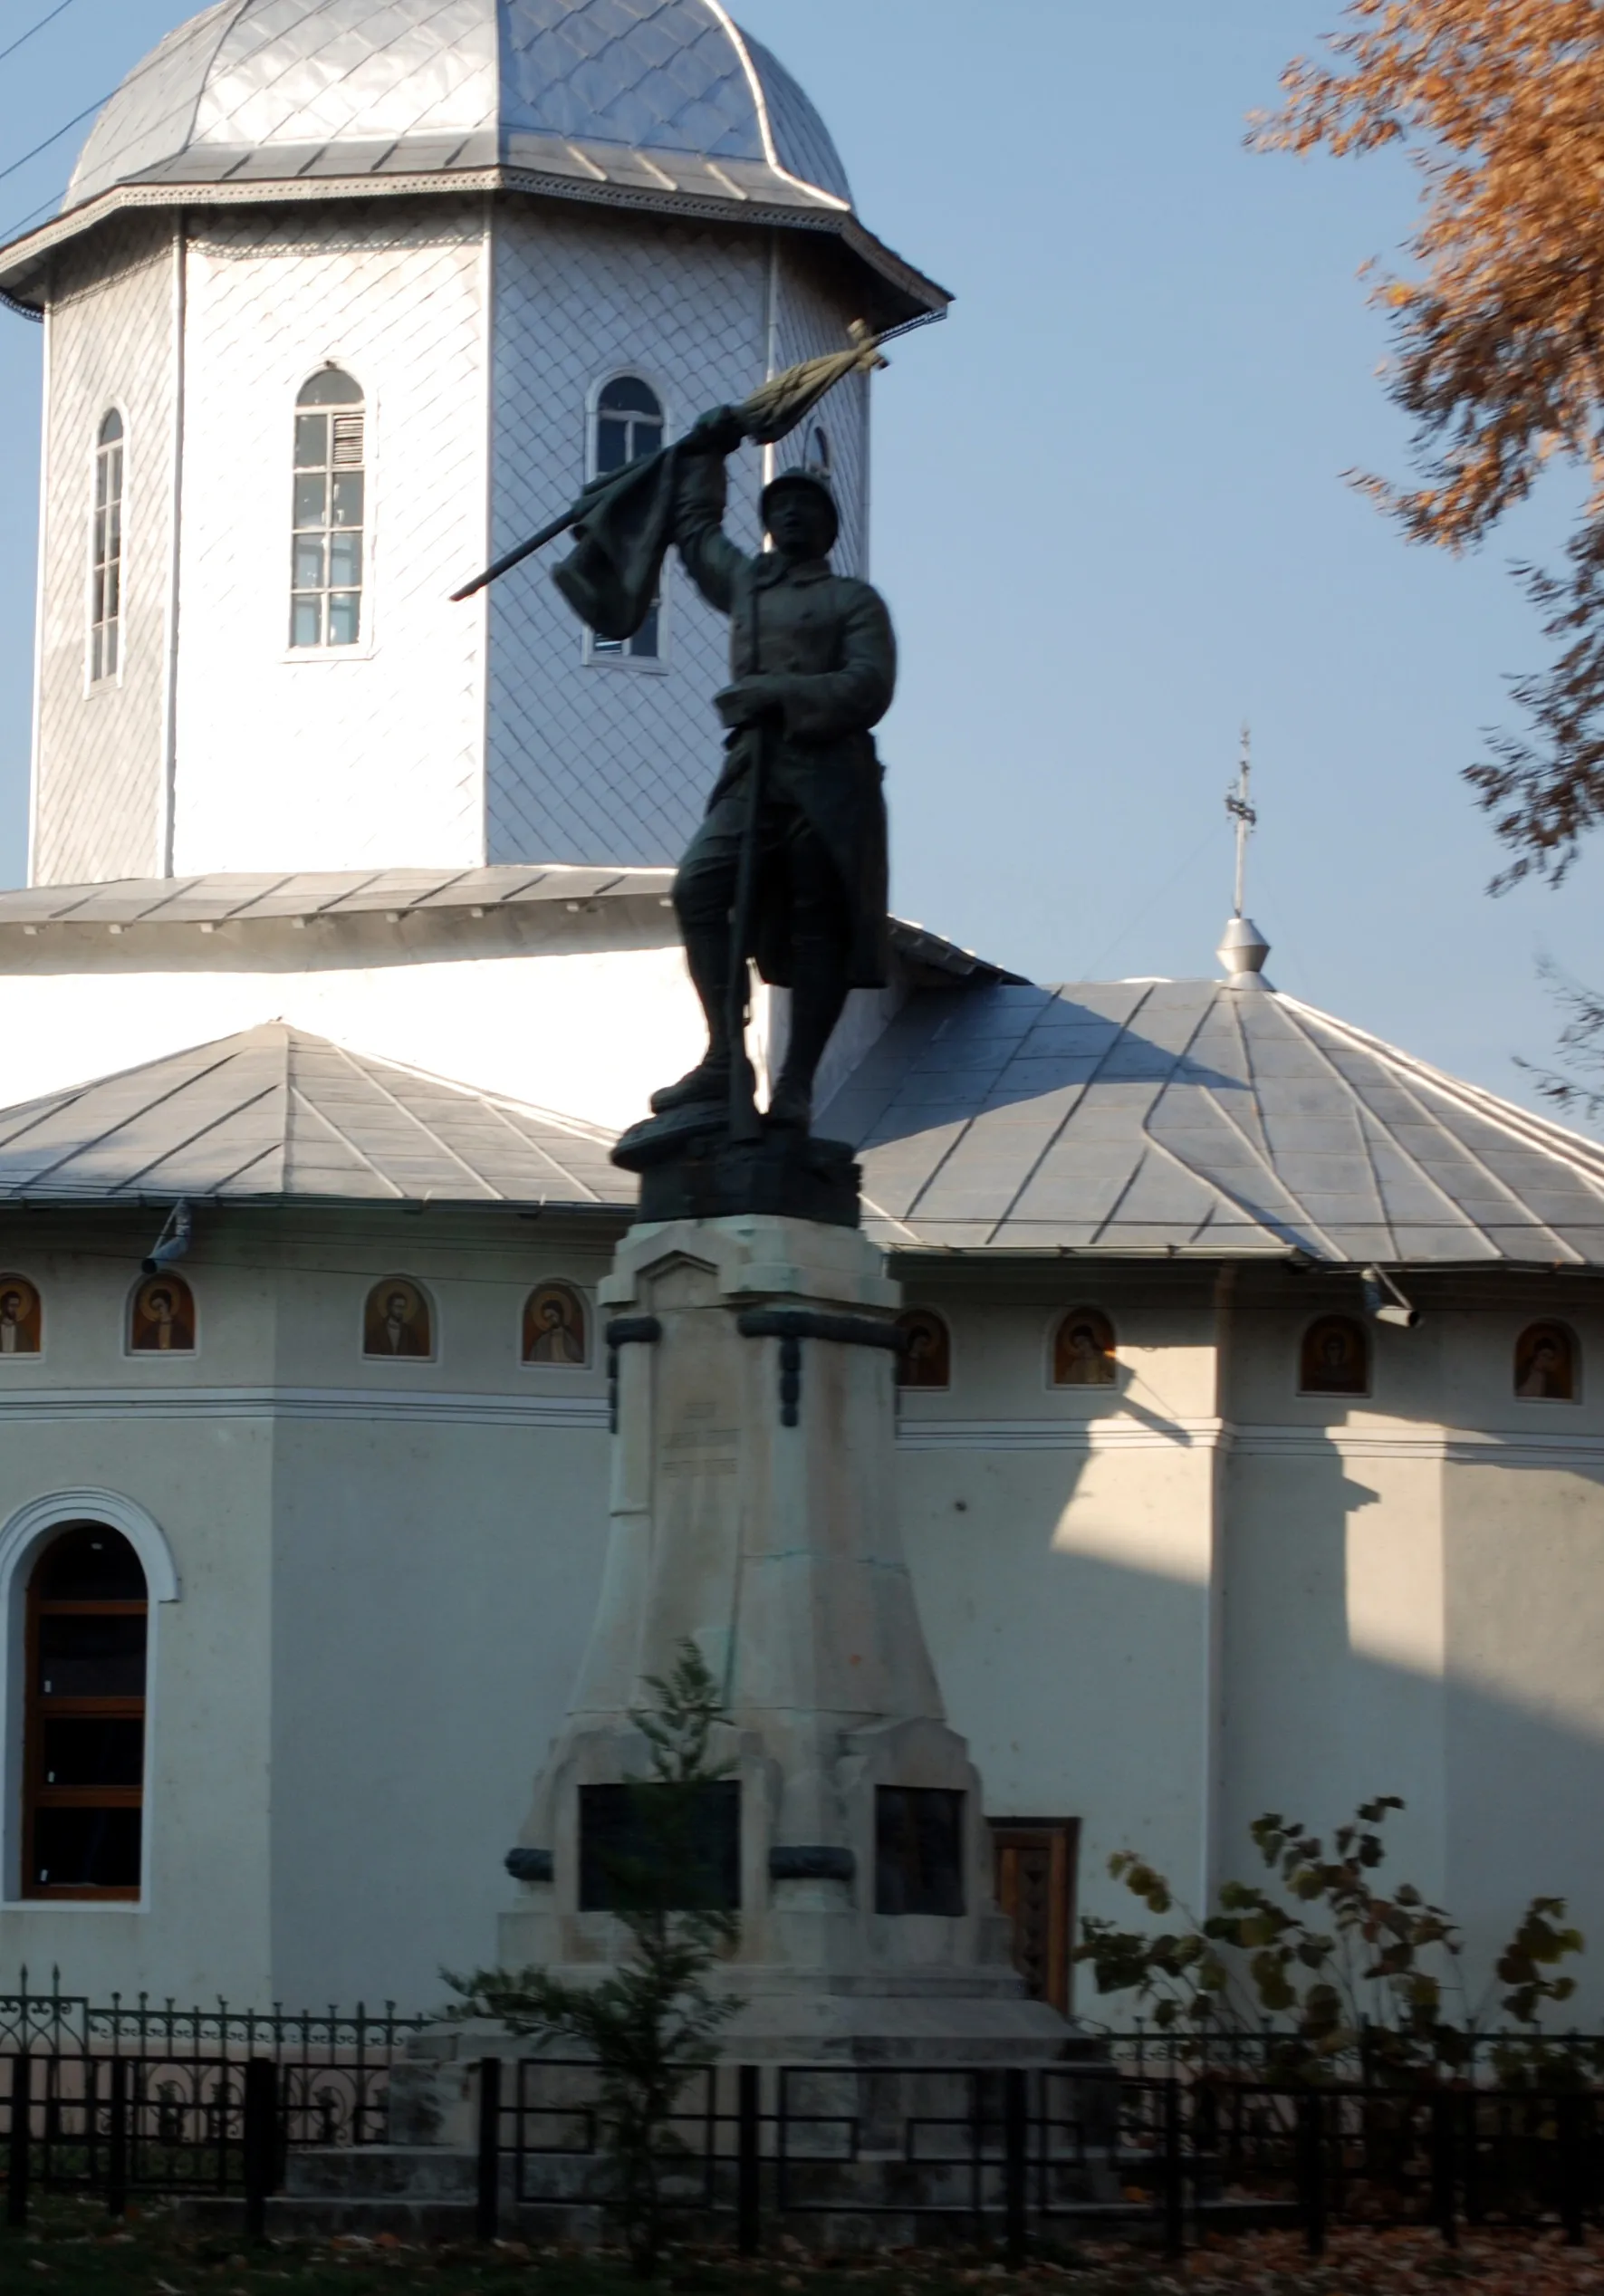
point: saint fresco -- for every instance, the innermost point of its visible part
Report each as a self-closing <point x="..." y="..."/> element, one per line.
<point x="554" y="1327"/>
<point x="21" y="1316"/>
<point x="1335" y="1359"/>
<point x="397" y="1322"/>
<point x="1083" y="1350"/>
<point x="162" y="1321"/>
<point x="1545" y="1364"/>
<point x="928" y="1360"/>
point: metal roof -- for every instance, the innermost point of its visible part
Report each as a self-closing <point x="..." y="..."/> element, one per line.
<point x="418" y="80"/>
<point x="241" y="898"/>
<point x="1118" y="1118"/>
<point x="235" y="897"/>
<point x="1193" y="1117"/>
<point x="654" y="103"/>
<point x="276" y="1112"/>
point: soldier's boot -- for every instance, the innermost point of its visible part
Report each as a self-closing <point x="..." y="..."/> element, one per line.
<point x="819" y="971"/>
<point x="706" y="956"/>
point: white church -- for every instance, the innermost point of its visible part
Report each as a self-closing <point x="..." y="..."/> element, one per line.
<point x="1251" y="1443"/>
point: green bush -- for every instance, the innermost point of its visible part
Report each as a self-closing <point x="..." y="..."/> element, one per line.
<point x="1333" y="1975"/>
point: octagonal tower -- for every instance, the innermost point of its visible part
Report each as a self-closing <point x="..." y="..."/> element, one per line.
<point x="346" y="296"/>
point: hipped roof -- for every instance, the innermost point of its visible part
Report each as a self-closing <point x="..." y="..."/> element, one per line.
<point x="1122" y="1119"/>
<point x="1195" y="1118"/>
<point x="276" y="1112"/>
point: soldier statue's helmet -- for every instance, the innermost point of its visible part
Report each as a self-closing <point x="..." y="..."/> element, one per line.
<point x="817" y="484"/>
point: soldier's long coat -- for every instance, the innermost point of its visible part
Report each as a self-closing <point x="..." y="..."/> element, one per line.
<point x="823" y="646"/>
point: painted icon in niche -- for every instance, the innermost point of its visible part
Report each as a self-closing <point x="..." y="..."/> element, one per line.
<point x="1335" y="1359"/>
<point x="554" y="1326"/>
<point x="1545" y="1364"/>
<point x="1083" y="1350"/>
<point x="21" y="1316"/>
<point x="927" y="1360"/>
<point x="162" y="1322"/>
<point x="397" y="1321"/>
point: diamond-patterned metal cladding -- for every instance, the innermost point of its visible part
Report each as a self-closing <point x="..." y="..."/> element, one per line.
<point x="313" y="763"/>
<point x="447" y="739"/>
<point x="99" y="770"/>
<point x="413" y="80"/>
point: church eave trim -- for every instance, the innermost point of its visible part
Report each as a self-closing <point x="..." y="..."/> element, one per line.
<point x="24" y="262"/>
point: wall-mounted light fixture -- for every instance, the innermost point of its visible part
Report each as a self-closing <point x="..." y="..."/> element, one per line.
<point x="172" y="1244"/>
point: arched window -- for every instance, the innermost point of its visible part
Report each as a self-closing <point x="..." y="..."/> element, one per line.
<point x="83" y="1735"/>
<point x="22" y="1317"/>
<point x="627" y="424"/>
<point x="397" y="1323"/>
<point x="555" y="1328"/>
<point x="927" y="1361"/>
<point x="1547" y="1364"/>
<point x="1083" y="1351"/>
<point x="105" y="582"/>
<point x="1335" y="1357"/>
<point x="330" y="512"/>
<point x="161" y="1316"/>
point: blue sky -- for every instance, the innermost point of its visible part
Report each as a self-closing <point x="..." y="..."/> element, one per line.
<point x="1109" y="512"/>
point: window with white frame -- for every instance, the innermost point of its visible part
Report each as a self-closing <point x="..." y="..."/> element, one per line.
<point x="83" y="1737"/>
<point x="105" y="589"/>
<point x="329" y="514"/>
<point x="627" y="424"/>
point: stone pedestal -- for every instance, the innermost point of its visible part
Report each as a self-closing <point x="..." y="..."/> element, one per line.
<point x="753" y="1514"/>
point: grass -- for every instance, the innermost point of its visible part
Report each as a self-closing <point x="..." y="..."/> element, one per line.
<point x="71" y="2249"/>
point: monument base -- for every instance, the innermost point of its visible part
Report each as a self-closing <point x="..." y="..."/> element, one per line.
<point x="753" y="1517"/>
<point x="690" y="1169"/>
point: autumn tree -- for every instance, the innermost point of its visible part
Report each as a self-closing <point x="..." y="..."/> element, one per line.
<point x="1498" y="331"/>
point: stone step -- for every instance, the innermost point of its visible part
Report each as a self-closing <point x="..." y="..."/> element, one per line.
<point x="380" y="2172"/>
<point x="292" y="2218"/>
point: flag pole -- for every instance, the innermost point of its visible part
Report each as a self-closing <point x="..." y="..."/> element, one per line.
<point x="745" y="1124"/>
<point x="775" y="408"/>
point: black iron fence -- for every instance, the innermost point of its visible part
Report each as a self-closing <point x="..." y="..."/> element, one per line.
<point x="56" y="2021"/>
<point x="1499" y="2058"/>
<point x="137" y="2097"/>
<point x="1021" y="2157"/>
<point x="126" y="2103"/>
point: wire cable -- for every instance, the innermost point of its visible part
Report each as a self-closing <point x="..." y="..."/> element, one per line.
<point x="23" y="38"/>
<point x="1139" y="916"/>
<point x="88" y="112"/>
<point x="164" y="53"/>
<point x="15" y="230"/>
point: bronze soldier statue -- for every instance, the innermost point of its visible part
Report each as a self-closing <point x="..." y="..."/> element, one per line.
<point x="788" y="868"/>
<point x="813" y="667"/>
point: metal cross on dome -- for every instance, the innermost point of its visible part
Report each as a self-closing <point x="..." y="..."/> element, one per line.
<point x="1242" y="813"/>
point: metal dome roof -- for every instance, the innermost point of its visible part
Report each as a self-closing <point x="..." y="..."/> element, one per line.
<point x="286" y="88"/>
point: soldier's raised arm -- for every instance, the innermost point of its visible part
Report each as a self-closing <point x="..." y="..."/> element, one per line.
<point x="712" y="561"/>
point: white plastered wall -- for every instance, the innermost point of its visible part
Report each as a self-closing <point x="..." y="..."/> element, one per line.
<point x="1414" y="1606"/>
<point x="351" y="757"/>
<point x="585" y="1017"/>
<point x="83" y="1413"/>
<point x="99" y="765"/>
<point x="388" y="1571"/>
<point x="1062" y="1546"/>
<point x="385" y="1571"/>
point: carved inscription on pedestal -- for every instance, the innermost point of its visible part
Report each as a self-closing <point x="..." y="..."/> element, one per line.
<point x="697" y="1387"/>
<point x="699" y="1443"/>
